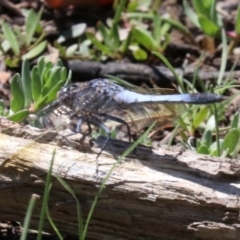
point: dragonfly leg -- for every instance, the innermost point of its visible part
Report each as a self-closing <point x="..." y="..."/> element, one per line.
<point x="79" y="124"/>
<point x="100" y="124"/>
<point x="116" y="119"/>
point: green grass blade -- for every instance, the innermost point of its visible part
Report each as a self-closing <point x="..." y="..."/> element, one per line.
<point x="45" y="198"/>
<point x="79" y="213"/>
<point x="237" y="21"/>
<point x="60" y="237"/>
<point x="167" y="63"/>
<point x="127" y="152"/>
<point x="223" y="58"/>
<point x="27" y="218"/>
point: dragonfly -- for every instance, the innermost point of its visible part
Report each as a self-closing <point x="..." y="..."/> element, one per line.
<point x="99" y="100"/>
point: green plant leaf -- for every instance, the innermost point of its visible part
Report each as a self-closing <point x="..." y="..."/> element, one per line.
<point x="207" y="138"/>
<point x="26" y="84"/>
<point x="31" y="22"/>
<point x="231" y="140"/>
<point x="105" y="32"/>
<point x="114" y="39"/>
<point x="235" y="121"/>
<point x="17" y="101"/>
<point x="214" y="148"/>
<point x="59" y="63"/>
<point x="71" y="50"/>
<point x="157" y="25"/>
<point x="97" y="44"/>
<point x="191" y="14"/>
<point x="19" y="116"/>
<point x="50" y="96"/>
<point x="36" y="84"/>
<point x="139" y="54"/>
<point x="54" y="78"/>
<point x="200" y="117"/>
<point x="208" y="27"/>
<point x="34" y="52"/>
<point x="69" y="78"/>
<point x="203" y="150"/>
<point x="40" y="65"/>
<point x="203" y="7"/>
<point x="63" y="74"/>
<point x="171" y="68"/>
<point x="12" y="62"/>
<point x="144" y="37"/>
<point x="10" y="36"/>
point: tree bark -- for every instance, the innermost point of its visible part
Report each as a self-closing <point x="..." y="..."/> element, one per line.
<point x="161" y="193"/>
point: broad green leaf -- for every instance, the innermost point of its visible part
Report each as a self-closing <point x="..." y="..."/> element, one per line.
<point x="26" y="84"/>
<point x="140" y="54"/>
<point x="207" y="138"/>
<point x="208" y="27"/>
<point x="203" y="150"/>
<point x="53" y="79"/>
<point x="235" y="122"/>
<point x="10" y="36"/>
<point x="144" y="37"/>
<point x="31" y="22"/>
<point x="75" y="31"/>
<point x="59" y="63"/>
<point x="17" y="101"/>
<point x="214" y="149"/>
<point x="19" y="116"/>
<point x="36" y="84"/>
<point x="231" y="140"/>
<point x="211" y="123"/>
<point x="45" y="75"/>
<point x="200" y="117"/>
<point x="132" y="6"/>
<point x="51" y="95"/>
<point x="40" y="65"/>
<point x="71" y="50"/>
<point x="34" y="52"/>
<point x="63" y="74"/>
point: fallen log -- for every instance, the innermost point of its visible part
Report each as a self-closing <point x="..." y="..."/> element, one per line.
<point x="163" y="193"/>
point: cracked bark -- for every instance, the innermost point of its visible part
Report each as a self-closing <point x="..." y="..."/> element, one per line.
<point x="153" y="194"/>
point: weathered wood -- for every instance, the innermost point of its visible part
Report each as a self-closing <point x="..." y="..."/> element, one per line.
<point x="153" y="194"/>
